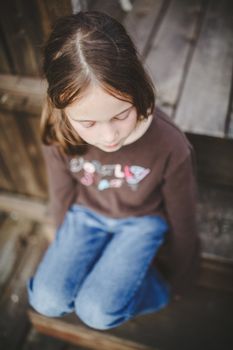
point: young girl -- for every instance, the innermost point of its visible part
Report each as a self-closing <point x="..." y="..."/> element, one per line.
<point x="121" y="178"/>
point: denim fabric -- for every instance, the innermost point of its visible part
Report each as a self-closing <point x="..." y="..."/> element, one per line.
<point x="101" y="268"/>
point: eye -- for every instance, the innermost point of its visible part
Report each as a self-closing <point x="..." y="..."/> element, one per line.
<point x="122" y="116"/>
<point x="87" y="124"/>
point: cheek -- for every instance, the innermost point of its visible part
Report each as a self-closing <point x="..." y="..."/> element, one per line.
<point x="132" y="122"/>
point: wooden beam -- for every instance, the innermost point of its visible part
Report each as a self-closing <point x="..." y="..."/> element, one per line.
<point x="202" y="316"/>
<point x="74" y="332"/>
<point x="22" y="85"/>
<point x="32" y="208"/>
<point x="22" y="94"/>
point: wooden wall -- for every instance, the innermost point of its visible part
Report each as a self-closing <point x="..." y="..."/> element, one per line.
<point x="24" y="26"/>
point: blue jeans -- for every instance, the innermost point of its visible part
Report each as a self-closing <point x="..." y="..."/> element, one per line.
<point x="101" y="268"/>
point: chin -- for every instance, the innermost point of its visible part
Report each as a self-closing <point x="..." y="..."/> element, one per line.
<point x="109" y="149"/>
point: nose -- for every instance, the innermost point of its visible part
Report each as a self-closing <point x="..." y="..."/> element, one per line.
<point x="109" y="133"/>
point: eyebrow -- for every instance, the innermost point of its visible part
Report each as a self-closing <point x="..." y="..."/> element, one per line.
<point x="89" y="120"/>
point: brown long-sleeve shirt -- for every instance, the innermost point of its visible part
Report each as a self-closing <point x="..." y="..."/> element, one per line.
<point x="154" y="175"/>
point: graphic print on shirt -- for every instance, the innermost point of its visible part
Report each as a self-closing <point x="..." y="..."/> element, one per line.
<point x="107" y="175"/>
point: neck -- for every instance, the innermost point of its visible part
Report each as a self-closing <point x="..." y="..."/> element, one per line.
<point x="140" y="130"/>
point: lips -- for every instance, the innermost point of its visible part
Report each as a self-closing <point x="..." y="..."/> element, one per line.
<point x="112" y="145"/>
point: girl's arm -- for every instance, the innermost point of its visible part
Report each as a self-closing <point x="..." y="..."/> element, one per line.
<point x="180" y="199"/>
<point x="61" y="185"/>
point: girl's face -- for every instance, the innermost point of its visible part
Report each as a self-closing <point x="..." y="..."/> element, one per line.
<point x="102" y="120"/>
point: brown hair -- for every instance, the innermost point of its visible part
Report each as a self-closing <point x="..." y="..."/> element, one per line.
<point x="84" y="48"/>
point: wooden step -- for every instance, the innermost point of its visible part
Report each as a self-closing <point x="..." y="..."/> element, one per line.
<point x="201" y="320"/>
<point x="71" y="329"/>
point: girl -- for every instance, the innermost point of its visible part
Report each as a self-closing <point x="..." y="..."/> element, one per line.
<point x="121" y="182"/>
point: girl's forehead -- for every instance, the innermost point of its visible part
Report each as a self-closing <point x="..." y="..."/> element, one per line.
<point x="96" y="104"/>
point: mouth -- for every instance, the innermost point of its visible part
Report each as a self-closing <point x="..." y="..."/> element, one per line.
<point x="113" y="145"/>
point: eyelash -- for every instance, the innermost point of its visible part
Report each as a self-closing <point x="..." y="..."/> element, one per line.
<point x="90" y="124"/>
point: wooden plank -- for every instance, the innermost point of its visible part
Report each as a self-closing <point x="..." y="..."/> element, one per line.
<point x="34" y="209"/>
<point x="22" y="94"/>
<point x="142" y="21"/>
<point x="215" y="222"/>
<point x="14" y="323"/>
<point x="33" y="152"/>
<point x="214" y="159"/>
<point x="54" y="9"/>
<point x="18" y="163"/>
<point x="21" y="103"/>
<point x="229" y="124"/>
<point x="170" y="50"/>
<point x="38" y="341"/>
<point x="5" y="179"/>
<point x="203" y="317"/>
<point x="25" y="33"/>
<point x="24" y="55"/>
<point x="3" y="217"/>
<point x="4" y="61"/>
<point x="22" y="85"/>
<point x="216" y="274"/>
<point x="37" y="156"/>
<point x="111" y="7"/>
<point x="13" y="238"/>
<point x="24" y="97"/>
<point x="205" y="98"/>
<point x="77" y="333"/>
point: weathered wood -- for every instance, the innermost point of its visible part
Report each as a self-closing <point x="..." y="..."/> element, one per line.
<point x="22" y="94"/>
<point x="33" y="152"/>
<point x="24" y="34"/>
<point x="18" y="163"/>
<point x="205" y="98"/>
<point x="215" y="222"/>
<point x="170" y="50"/>
<point x="14" y="323"/>
<point x="24" y="54"/>
<point x="13" y="241"/>
<point x="214" y="159"/>
<point x="111" y="7"/>
<point x="54" y="10"/>
<point x="216" y="274"/>
<point x="201" y="319"/>
<point x="5" y="66"/>
<point x="21" y="103"/>
<point x="229" y="125"/>
<point x="24" y="97"/>
<point x="5" y="179"/>
<point x="77" y="333"/>
<point x="22" y="85"/>
<point x="38" y="341"/>
<point x="141" y="22"/>
<point x="31" y="208"/>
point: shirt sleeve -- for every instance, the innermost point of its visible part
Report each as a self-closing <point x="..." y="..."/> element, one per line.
<point x="180" y="195"/>
<point x="61" y="184"/>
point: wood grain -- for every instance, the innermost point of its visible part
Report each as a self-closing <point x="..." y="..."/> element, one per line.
<point x="170" y="50"/>
<point x="204" y="102"/>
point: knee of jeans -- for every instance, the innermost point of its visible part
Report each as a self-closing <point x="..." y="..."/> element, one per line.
<point x="45" y="300"/>
<point x="92" y="312"/>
